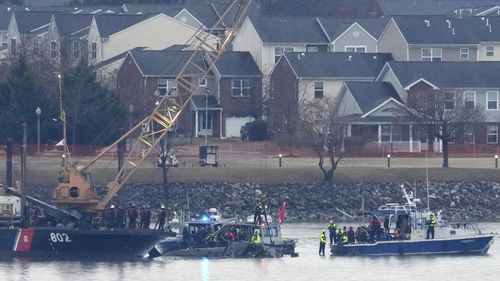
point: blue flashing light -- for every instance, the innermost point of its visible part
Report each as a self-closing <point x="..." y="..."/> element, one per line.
<point x="204" y="218"/>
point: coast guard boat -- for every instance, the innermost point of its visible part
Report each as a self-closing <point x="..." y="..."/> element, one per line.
<point x="407" y="235"/>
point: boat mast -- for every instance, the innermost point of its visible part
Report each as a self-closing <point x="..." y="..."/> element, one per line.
<point x="62" y="116"/>
<point x="24" y="213"/>
<point x="427" y="176"/>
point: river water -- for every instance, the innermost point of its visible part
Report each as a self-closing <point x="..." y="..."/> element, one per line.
<point x="308" y="266"/>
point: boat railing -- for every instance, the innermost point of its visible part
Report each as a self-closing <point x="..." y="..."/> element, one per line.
<point x="467" y="226"/>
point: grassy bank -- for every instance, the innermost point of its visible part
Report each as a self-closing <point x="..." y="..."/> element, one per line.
<point x="251" y="168"/>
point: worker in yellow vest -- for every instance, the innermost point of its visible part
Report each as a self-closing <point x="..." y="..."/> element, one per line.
<point x="322" y="243"/>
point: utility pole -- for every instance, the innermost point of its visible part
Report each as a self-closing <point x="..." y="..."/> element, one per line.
<point x="24" y="213"/>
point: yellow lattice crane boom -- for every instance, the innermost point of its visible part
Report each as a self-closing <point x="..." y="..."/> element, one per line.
<point x="75" y="191"/>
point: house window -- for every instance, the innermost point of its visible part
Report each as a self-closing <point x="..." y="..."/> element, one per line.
<point x="240" y="87"/>
<point x="3" y="39"/>
<point x="468" y="134"/>
<point x="278" y="51"/>
<point x="93" y="50"/>
<point x="421" y="101"/>
<point x="385" y="135"/>
<point x="490" y="51"/>
<point x="469" y="99"/>
<point x="464" y="53"/>
<point x="397" y="133"/>
<point x="318" y="90"/>
<point x="491" y="100"/>
<point x="355" y="49"/>
<point x="312" y="49"/>
<point x="164" y="86"/>
<point x="492" y="132"/>
<point x="76" y="49"/>
<point x="13" y="46"/>
<point x="449" y="100"/>
<point x="431" y="54"/>
<point x="202" y="82"/>
<point x="36" y="46"/>
<point x="53" y="49"/>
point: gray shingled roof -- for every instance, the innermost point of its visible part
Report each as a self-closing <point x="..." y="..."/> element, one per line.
<point x="237" y="64"/>
<point x="27" y="22"/>
<point x="430" y="7"/>
<point x="369" y="95"/>
<point x="4" y="20"/>
<point x="108" y="24"/>
<point x="335" y="27"/>
<point x="416" y="30"/>
<point x="449" y="74"/>
<point x="288" y="30"/>
<point x="164" y="62"/>
<point x="69" y="24"/>
<point x="337" y="65"/>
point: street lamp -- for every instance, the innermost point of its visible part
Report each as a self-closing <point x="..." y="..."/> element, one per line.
<point x="207" y="92"/>
<point x="38" y="112"/>
<point x="496" y="161"/>
<point x="388" y="160"/>
<point x="279" y="159"/>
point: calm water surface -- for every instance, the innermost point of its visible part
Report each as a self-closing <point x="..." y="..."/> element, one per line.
<point x="308" y="266"/>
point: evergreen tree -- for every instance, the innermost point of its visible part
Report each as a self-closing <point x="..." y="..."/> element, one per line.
<point x="20" y="95"/>
<point x="94" y="113"/>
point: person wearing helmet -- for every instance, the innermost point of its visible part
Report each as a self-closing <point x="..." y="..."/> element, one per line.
<point x="256" y="238"/>
<point x="430" y="226"/>
<point x="322" y="243"/>
<point x="162" y="215"/>
<point x="332" y="229"/>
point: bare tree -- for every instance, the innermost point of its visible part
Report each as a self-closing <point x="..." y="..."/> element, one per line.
<point x="324" y="133"/>
<point x="445" y="115"/>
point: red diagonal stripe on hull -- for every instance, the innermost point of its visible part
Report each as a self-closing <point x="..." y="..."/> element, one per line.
<point x="25" y="239"/>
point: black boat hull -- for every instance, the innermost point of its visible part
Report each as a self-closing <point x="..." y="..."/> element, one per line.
<point x="51" y="242"/>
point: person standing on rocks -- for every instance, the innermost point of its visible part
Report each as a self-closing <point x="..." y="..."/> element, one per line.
<point x="322" y="243"/>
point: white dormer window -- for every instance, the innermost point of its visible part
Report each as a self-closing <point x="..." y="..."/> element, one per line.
<point x="431" y="54"/>
<point x="278" y="51"/>
<point x="13" y="46"/>
<point x="464" y="53"/>
<point x="53" y="49"/>
<point x="492" y="100"/>
<point x="93" y="50"/>
<point x="490" y="51"/>
<point x="202" y="82"/>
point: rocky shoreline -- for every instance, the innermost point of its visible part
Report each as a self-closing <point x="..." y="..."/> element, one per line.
<point x="311" y="202"/>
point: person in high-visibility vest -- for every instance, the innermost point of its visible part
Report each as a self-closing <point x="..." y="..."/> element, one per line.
<point x="430" y="226"/>
<point x="322" y="243"/>
<point x="256" y="238"/>
<point x="332" y="229"/>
